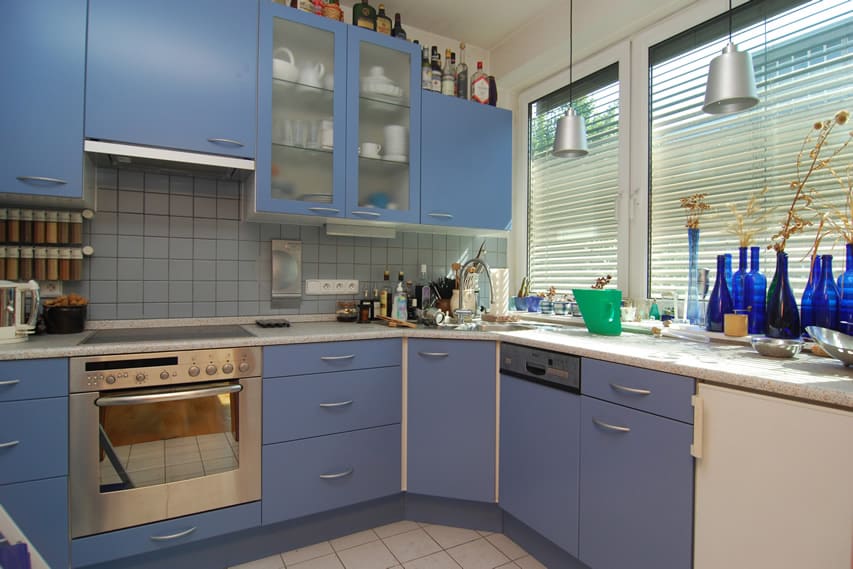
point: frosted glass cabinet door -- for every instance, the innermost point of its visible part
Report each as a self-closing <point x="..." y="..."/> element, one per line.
<point x="302" y="118"/>
<point x="383" y="128"/>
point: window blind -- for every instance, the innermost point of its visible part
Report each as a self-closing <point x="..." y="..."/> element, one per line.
<point x="572" y="229"/>
<point x="803" y="59"/>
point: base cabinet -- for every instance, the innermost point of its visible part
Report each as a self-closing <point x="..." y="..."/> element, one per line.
<point x="40" y="509"/>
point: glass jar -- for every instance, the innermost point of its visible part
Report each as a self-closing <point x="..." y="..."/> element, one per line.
<point x="25" y="265"/>
<point x="76" y="264"/>
<point x="53" y="263"/>
<point x="65" y="264"/>
<point x="39" y="220"/>
<point x="40" y="263"/>
<point x="12" y="263"/>
<point x="26" y="226"/>
<point x="76" y="228"/>
<point x="13" y="226"/>
<point x="51" y="228"/>
<point x="63" y="228"/>
<point x="347" y="311"/>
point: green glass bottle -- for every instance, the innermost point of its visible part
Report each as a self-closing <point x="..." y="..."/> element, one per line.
<point x="364" y="15"/>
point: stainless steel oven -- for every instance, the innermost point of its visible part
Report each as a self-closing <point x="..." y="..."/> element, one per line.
<point x="160" y="435"/>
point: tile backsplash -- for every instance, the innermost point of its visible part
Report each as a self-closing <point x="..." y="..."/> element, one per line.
<point x="171" y="246"/>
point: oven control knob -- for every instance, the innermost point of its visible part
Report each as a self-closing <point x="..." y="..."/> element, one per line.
<point x="140" y="377"/>
<point x="227" y="368"/>
<point x="111" y="379"/>
<point x="210" y="370"/>
<point x="194" y="371"/>
<point x="164" y="375"/>
<point x="244" y="366"/>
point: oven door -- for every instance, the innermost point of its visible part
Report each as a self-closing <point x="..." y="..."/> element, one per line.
<point x="145" y="455"/>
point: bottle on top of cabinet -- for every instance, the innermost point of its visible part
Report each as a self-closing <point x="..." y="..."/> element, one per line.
<point x="397" y="31"/>
<point x="462" y="74"/>
<point x="364" y="15"/>
<point x="383" y="22"/>
<point x="436" y="70"/>
<point x="448" y="75"/>
<point x="480" y="85"/>
<point x="426" y="72"/>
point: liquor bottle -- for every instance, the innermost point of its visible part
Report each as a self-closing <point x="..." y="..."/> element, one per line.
<point x="411" y="301"/>
<point x="364" y="15"/>
<point x="448" y="81"/>
<point x="480" y="85"/>
<point x="462" y="74"/>
<point x="426" y="69"/>
<point x="383" y="22"/>
<point x="377" y="306"/>
<point x="493" y="91"/>
<point x="398" y="31"/>
<point x="436" y="70"/>
<point x="422" y="290"/>
<point x="384" y="304"/>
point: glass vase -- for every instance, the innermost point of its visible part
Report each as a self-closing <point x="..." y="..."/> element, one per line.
<point x="783" y="318"/>
<point x="825" y="296"/>
<point x="720" y="302"/>
<point x="845" y="292"/>
<point x="694" y="316"/>
<point x="728" y="257"/>
<point x="755" y="293"/>
<point x="738" y="287"/>
<point x="807" y="304"/>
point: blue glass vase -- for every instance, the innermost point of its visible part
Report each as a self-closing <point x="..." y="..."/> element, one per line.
<point x="739" y="281"/>
<point x="728" y="257"/>
<point x="783" y="318"/>
<point x="755" y="293"/>
<point x="807" y="304"/>
<point x="693" y="315"/>
<point x="825" y="296"/>
<point x="845" y="291"/>
<point x="720" y="302"/>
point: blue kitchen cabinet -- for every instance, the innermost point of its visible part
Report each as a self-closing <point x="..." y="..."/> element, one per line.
<point x="540" y="457"/>
<point x="174" y="75"/>
<point x="40" y="509"/>
<point x="451" y="418"/>
<point x="325" y="357"/>
<point x="43" y="46"/>
<point x="33" y="379"/>
<point x="33" y="439"/>
<point x="466" y="159"/>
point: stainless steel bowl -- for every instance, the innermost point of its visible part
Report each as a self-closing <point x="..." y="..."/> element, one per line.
<point x="776" y="347"/>
<point x="834" y="343"/>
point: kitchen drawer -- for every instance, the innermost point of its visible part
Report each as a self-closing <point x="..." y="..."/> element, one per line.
<point x="321" y="357"/>
<point x="162" y="535"/>
<point x="315" y="475"/>
<point x="660" y="393"/>
<point x="31" y="379"/>
<point x="36" y="431"/>
<point x="40" y="509"/>
<point x="311" y="405"/>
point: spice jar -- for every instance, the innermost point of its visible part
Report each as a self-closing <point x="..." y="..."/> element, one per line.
<point x="40" y="263"/>
<point x="25" y="265"/>
<point x="76" y="264"/>
<point x="76" y="228"/>
<point x="63" y="227"/>
<point x="12" y="263"/>
<point x="4" y="215"/>
<point x="51" y="227"/>
<point x="26" y="226"/>
<point x="53" y="264"/>
<point x="13" y="226"/>
<point x="65" y="264"/>
<point x="38" y="226"/>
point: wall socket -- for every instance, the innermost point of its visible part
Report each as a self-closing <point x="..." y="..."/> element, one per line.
<point x="331" y="286"/>
<point x="50" y="289"/>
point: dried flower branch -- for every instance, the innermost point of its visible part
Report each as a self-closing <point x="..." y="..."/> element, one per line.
<point x="601" y="282"/>
<point x="752" y="221"/>
<point x="694" y="205"/>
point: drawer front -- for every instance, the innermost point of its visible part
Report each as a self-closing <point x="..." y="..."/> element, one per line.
<point x="162" y="535"/>
<point x="40" y="509"/>
<point x="660" y="393"/>
<point x="315" y="475"/>
<point x="312" y="405"/>
<point x="33" y="439"/>
<point x="299" y="359"/>
<point x="32" y="379"/>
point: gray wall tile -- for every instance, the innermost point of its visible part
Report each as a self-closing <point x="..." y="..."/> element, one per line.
<point x="156" y="247"/>
<point x="156" y="204"/>
<point x="181" y="185"/>
<point x="155" y="269"/>
<point x="204" y="207"/>
<point x="181" y="205"/>
<point x="129" y="291"/>
<point x="131" y="180"/>
<point x="204" y="270"/>
<point x="129" y="269"/>
<point x="180" y="309"/>
<point x="204" y="291"/>
<point x="130" y="246"/>
<point x="130" y="224"/>
<point x="156" y="183"/>
<point x="157" y="225"/>
<point x="131" y="201"/>
<point x="180" y="270"/>
<point x="181" y="291"/>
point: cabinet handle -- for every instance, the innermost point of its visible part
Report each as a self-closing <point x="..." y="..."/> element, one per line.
<point x="632" y="390"/>
<point x="338" y="404"/>
<point x="368" y="213"/>
<point x="9" y="444"/>
<point x="173" y="536"/>
<point x="610" y="427"/>
<point x="230" y="141"/>
<point x="10" y="382"/>
<point x="434" y="354"/>
<point x="697" y="448"/>
<point x="336" y="358"/>
<point x="440" y="214"/>
<point x="336" y="474"/>
<point x="324" y="210"/>
<point x="41" y="179"/>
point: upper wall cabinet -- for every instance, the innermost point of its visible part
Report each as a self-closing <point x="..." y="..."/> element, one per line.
<point x="42" y="49"/>
<point x="467" y="164"/>
<point x="175" y="75"/>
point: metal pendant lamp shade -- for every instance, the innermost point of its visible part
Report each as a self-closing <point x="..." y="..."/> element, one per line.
<point x="731" y="83"/>
<point x="570" y="139"/>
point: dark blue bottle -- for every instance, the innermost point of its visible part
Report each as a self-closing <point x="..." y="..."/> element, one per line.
<point x="729" y="271"/>
<point x="739" y="281"/>
<point x="845" y="290"/>
<point x="807" y="303"/>
<point x="720" y="302"/>
<point x="825" y="297"/>
<point x="755" y="293"/>
<point x="783" y="318"/>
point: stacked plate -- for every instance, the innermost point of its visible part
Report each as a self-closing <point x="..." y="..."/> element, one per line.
<point x="500" y="290"/>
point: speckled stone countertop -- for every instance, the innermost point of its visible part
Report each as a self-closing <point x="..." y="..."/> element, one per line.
<point x="806" y="377"/>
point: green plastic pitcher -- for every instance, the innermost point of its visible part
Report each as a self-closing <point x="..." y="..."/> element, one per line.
<point x="600" y="310"/>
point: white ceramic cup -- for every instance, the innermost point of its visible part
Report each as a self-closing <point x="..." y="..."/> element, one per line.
<point x="396" y="140"/>
<point x="312" y="74"/>
<point x="370" y="149"/>
<point x="377" y="71"/>
<point x="284" y="65"/>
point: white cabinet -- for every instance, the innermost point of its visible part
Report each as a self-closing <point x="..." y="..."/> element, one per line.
<point x="774" y="485"/>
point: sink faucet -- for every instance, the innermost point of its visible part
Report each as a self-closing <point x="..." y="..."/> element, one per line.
<point x="463" y="270"/>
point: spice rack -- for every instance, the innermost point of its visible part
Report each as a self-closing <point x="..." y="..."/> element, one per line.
<point x="44" y="245"/>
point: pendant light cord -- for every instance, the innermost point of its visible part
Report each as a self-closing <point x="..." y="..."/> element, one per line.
<point x="571" y="41"/>
<point x="730" y="21"/>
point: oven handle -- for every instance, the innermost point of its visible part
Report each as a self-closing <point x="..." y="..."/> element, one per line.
<point x="116" y="400"/>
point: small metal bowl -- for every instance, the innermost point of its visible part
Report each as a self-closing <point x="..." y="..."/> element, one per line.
<point x="834" y="343"/>
<point x="776" y="347"/>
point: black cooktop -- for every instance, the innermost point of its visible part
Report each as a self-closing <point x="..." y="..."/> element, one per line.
<point x="134" y="335"/>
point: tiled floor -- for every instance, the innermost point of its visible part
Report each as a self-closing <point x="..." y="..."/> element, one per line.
<point x="406" y="545"/>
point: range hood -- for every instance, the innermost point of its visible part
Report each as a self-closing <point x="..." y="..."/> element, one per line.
<point x="167" y="161"/>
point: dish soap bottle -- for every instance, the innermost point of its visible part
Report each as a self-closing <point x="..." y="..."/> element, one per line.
<point x="400" y="301"/>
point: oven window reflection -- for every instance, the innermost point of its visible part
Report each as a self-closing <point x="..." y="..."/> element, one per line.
<point x="154" y="443"/>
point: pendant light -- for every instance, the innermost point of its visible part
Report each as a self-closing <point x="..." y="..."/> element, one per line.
<point x="570" y="138"/>
<point x="731" y="80"/>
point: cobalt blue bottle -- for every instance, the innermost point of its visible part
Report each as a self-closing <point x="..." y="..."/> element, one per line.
<point x="845" y="290"/>
<point x="783" y="318"/>
<point x="729" y="271"/>
<point x="825" y="297"/>
<point x="755" y="293"/>
<point x="807" y="303"/>
<point x="738" y="281"/>
<point x="720" y="302"/>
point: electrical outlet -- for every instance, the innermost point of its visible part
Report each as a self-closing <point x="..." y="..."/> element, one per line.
<point x="50" y="289"/>
<point x="331" y="286"/>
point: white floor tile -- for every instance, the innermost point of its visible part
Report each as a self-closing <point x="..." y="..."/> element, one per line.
<point x="325" y="562"/>
<point x="440" y="560"/>
<point x="354" y="539"/>
<point x="529" y="562"/>
<point x="271" y="562"/>
<point x="478" y="554"/>
<point x="509" y="565"/>
<point x="448" y="536"/>
<point x="411" y="545"/>
<point x="506" y="546"/>
<point x="395" y="528"/>
<point x="485" y="533"/>
<point x="373" y="555"/>
<point x="306" y="553"/>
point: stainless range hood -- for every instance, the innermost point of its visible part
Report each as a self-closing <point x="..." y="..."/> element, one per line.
<point x="166" y="161"/>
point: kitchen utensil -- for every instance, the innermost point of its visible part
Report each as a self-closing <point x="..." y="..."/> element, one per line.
<point x="776" y="347"/>
<point x="284" y="65"/>
<point x="432" y="316"/>
<point x="312" y="74"/>
<point x="393" y="322"/>
<point x="834" y="343"/>
<point x="13" y="300"/>
<point x="600" y="310"/>
<point x="65" y="319"/>
<point x="666" y="332"/>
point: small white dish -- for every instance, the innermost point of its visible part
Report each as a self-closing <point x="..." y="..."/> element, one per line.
<point x="396" y="157"/>
<point x="374" y="156"/>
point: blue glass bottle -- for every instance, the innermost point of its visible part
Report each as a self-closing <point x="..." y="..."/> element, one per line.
<point x="755" y="293"/>
<point x="845" y="291"/>
<point x="807" y="303"/>
<point x="825" y="297"/>
<point x="738" y="281"/>
<point x="720" y="302"/>
<point x="729" y="271"/>
<point x="693" y="313"/>
<point x="783" y="318"/>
